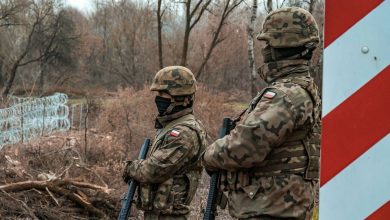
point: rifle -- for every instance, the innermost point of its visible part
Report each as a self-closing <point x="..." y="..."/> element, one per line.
<point x="126" y="204"/>
<point x="211" y="207"/>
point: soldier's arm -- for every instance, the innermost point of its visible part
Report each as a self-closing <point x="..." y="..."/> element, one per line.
<point x="253" y="138"/>
<point x="175" y="152"/>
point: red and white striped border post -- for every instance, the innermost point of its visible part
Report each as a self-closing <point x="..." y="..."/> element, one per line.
<point x="355" y="153"/>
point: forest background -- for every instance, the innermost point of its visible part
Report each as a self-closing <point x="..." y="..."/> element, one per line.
<point x="106" y="58"/>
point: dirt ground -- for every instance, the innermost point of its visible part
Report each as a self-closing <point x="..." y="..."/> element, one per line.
<point x="77" y="174"/>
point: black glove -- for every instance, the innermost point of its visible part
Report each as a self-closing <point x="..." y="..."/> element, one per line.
<point x="125" y="175"/>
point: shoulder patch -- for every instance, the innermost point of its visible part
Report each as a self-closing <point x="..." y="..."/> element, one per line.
<point x="174" y="133"/>
<point x="269" y="95"/>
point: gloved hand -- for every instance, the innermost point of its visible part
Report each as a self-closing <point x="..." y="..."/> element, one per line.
<point x="125" y="175"/>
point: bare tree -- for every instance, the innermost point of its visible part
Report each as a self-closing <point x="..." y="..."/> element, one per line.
<point x="251" y="53"/>
<point x="42" y="40"/>
<point x="269" y="7"/>
<point x="39" y="15"/>
<point x="228" y="8"/>
<point x="159" y="27"/>
<point x="312" y="5"/>
<point x="125" y="28"/>
<point x="9" y="10"/>
<point x="60" y="33"/>
<point x="193" y="16"/>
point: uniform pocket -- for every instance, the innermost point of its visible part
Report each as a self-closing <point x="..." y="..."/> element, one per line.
<point x="145" y="197"/>
<point x="163" y="197"/>
<point x="261" y="185"/>
<point x="251" y="190"/>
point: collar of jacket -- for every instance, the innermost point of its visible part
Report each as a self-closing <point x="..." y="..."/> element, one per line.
<point x="274" y="70"/>
<point x="162" y="121"/>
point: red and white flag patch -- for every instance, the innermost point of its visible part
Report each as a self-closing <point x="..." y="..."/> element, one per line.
<point x="269" y="95"/>
<point x="174" y="133"/>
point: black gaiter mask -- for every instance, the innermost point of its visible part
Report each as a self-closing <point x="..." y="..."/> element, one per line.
<point x="162" y="104"/>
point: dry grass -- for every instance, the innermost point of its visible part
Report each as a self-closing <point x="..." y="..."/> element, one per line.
<point x="117" y="125"/>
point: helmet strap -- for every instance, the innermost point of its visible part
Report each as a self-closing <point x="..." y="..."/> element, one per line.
<point x="175" y="101"/>
<point x="309" y="47"/>
<point x="170" y="107"/>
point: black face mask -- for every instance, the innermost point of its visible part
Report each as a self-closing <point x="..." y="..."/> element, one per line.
<point x="285" y="53"/>
<point x="162" y="104"/>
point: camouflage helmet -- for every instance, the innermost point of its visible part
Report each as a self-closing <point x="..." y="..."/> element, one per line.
<point x="289" y="27"/>
<point x="175" y="80"/>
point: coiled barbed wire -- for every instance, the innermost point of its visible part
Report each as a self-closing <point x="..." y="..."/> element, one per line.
<point x="28" y="118"/>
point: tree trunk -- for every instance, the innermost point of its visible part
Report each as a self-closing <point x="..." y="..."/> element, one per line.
<point x="1" y="73"/>
<point x="159" y="27"/>
<point x="312" y="5"/>
<point x="42" y="76"/>
<point x="215" y="40"/>
<point x="251" y="54"/>
<point x="183" y="61"/>
<point x="269" y="6"/>
<point x="10" y="80"/>
<point x="227" y="10"/>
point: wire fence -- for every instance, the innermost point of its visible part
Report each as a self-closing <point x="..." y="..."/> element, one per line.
<point x="77" y="115"/>
<point x="28" y="118"/>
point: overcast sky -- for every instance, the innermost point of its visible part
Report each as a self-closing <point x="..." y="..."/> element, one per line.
<point x="82" y="5"/>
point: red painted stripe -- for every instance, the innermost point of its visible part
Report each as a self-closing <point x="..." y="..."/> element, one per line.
<point x="342" y="15"/>
<point x="355" y="125"/>
<point x="381" y="214"/>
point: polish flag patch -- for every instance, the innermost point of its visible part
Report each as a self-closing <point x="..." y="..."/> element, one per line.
<point x="174" y="133"/>
<point x="269" y="95"/>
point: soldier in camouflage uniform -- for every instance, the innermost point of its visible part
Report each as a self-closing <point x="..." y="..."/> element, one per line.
<point x="169" y="175"/>
<point x="270" y="161"/>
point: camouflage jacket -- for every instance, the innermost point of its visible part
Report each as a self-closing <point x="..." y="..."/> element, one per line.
<point x="271" y="159"/>
<point x="169" y="176"/>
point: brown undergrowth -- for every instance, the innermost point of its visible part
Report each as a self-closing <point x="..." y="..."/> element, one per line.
<point x="77" y="174"/>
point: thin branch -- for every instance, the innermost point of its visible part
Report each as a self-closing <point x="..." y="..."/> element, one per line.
<point x="51" y="195"/>
<point x="25" y="207"/>
<point x="215" y="41"/>
<point x="55" y="186"/>
<point x="200" y="14"/>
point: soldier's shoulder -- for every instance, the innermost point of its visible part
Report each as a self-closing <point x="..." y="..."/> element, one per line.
<point x="193" y="124"/>
<point x="295" y="92"/>
<point x="180" y="131"/>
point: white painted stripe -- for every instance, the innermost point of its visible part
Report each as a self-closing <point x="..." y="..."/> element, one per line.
<point x="361" y="188"/>
<point x="346" y="68"/>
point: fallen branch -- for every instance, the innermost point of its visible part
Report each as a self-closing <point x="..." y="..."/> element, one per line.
<point x="95" y="173"/>
<point x="83" y="185"/>
<point x="24" y="205"/>
<point x="56" y="187"/>
<point x="51" y="195"/>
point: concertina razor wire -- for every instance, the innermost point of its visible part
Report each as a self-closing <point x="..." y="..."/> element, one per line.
<point x="28" y="118"/>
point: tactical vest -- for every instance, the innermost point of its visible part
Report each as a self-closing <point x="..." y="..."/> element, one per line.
<point x="299" y="153"/>
<point x="162" y="198"/>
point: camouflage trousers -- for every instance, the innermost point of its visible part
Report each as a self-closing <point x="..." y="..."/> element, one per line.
<point x="156" y="216"/>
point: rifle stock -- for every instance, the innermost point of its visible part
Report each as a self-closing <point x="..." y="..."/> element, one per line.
<point x="126" y="204"/>
<point x="211" y="207"/>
